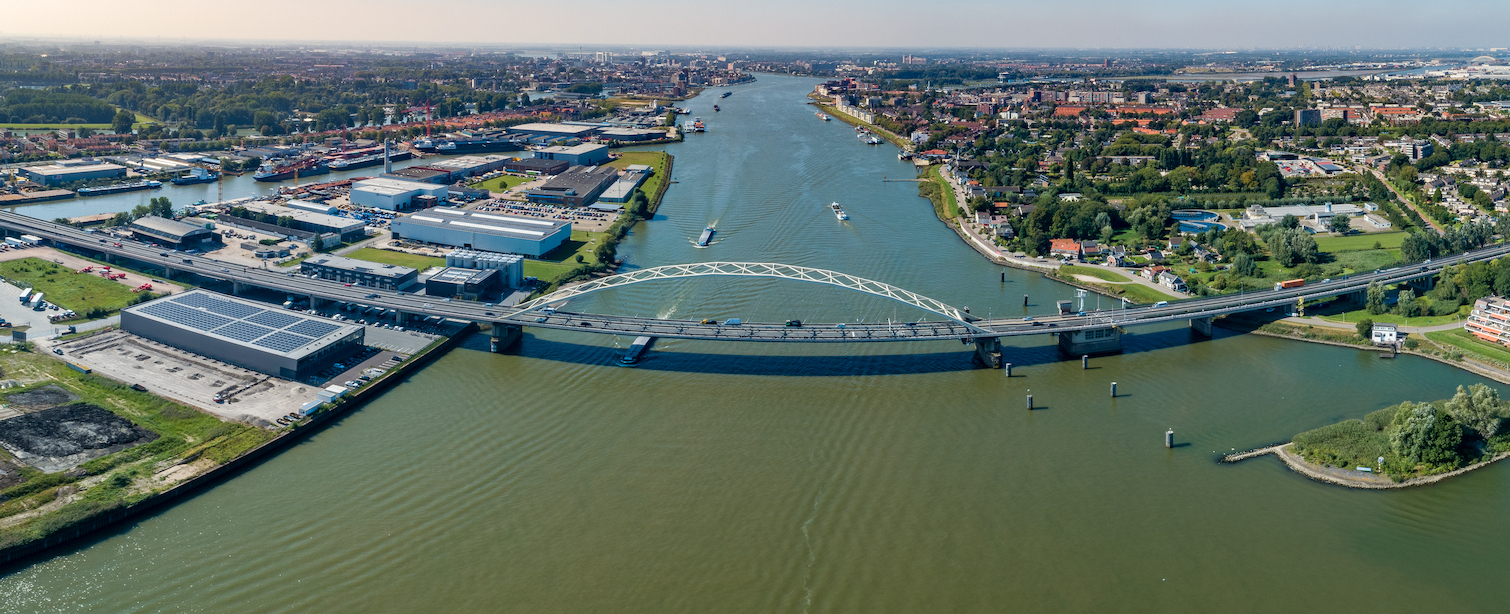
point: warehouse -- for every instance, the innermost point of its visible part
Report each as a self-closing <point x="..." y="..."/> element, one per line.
<point x="174" y="234"/>
<point x="623" y="189"/>
<point x="579" y="186"/>
<point x="469" y="166"/>
<point x="483" y="231"/>
<point x="536" y="166"/>
<point x="73" y="170"/>
<point x="358" y="272"/>
<point x="393" y="194"/>
<point x="243" y="333"/>
<point x="466" y="284"/>
<point x="264" y="217"/>
<point x="586" y="154"/>
<point x="422" y="174"/>
<point x="553" y="130"/>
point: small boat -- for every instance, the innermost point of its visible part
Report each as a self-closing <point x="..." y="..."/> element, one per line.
<point x="822" y="116"/>
<point x="726" y="94"/>
<point x="707" y="236"/>
<point x="839" y="212"/>
<point x="715" y="108"/>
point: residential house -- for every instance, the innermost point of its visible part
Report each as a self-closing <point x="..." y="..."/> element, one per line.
<point x="1171" y="281"/>
<point x="1064" y="247"/>
<point x="1385" y="334"/>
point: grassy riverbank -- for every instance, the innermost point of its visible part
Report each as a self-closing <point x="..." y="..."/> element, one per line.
<point x="938" y="192"/>
<point x="891" y="137"/>
<point x="655" y="185"/>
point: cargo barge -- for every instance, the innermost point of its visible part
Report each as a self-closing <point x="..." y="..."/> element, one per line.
<point x="120" y="187"/>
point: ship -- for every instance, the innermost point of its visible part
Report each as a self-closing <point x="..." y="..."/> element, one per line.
<point x="463" y="143"/>
<point x="715" y="108"/>
<point x="197" y="175"/>
<point x="822" y="116"/>
<point x="726" y="94"/>
<point x="347" y="164"/>
<point x="120" y="187"/>
<point x="839" y="212"/>
<point x="870" y="139"/>
<point x="303" y="167"/>
<point x="707" y="236"/>
<point x="697" y="125"/>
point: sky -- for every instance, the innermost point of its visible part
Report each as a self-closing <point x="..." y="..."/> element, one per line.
<point x="1006" y="24"/>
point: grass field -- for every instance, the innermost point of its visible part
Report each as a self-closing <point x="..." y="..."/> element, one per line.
<point x="502" y="182"/>
<point x="1096" y="272"/>
<point x="564" y="258"/>
<point x="1463" y="340"/>
<point x="1144" y="294"/>
<point x="383" y="256"/>
<point x="1389" y="240"/>
<point x="69" y="289"/>
<point x="1332" y="312"/>
<point x="653" y="159"/>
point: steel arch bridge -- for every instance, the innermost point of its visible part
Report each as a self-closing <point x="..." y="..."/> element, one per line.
<point x="755" y="269"/>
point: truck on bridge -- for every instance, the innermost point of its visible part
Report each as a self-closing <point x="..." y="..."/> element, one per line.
<point x="1286" y="285"/>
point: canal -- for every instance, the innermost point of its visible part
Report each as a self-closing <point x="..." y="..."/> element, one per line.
<point x="799" y="478"/>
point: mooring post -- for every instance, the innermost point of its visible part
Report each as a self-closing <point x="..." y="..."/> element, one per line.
<point x="1169" y="438"/>
<point x="1114" y="390"/>
<point x="1030" y="399"/>
<point x="1085" y="361"/>
<point x="1003" y="277"/>
<point x="1024" y="300"/>
<point x="1007" y="367"/>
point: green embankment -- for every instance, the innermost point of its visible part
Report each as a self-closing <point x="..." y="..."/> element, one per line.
<point x="183" y="433"/>
<point x="563" y="259"/>
<point x="1098" y="273"/>
<point x="502" y="183"/>
<point x="87" y="294"/>
<point x="938" y="192"/>
<point x="1471" y="345"/>
<point x="655" y="185"/>
<point x="383" y="256"/>
<point x="1387" y="240"/>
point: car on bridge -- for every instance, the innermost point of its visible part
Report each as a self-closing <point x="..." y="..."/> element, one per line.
<point x="794" y="322"/>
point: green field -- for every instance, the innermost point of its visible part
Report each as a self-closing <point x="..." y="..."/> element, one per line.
<point x="383" y="256"/>
<point x="654" y="159"/>
<point x="1096" y="272"/>
<point x="1144" y="294"/>
<point x="502" y="182"/>
<point x="1463" y="340"/>
<point x="564" y="258"/>
<point x="1389" y="240"/>
<point x="84" y="293"/>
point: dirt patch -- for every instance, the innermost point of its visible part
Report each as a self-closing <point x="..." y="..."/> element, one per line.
<point x="62" y="438"/>
<point x="10" y="475"/>
<point x="45" y="396"/>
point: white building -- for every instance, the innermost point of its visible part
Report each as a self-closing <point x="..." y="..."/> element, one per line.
<point x="393" y="194"/>
<point x="1385" y="334"/>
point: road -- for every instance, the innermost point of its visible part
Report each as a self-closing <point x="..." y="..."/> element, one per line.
<point x="539" y="315"/>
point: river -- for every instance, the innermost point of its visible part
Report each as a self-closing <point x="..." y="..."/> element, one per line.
<point x="866" y="478"/>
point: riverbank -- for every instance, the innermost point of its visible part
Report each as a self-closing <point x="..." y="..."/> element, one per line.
<point x="1345" y="338"/>
<point x="891" y="137"/>
<point x="196" y="468"/>
<point x="1350" y="478"/>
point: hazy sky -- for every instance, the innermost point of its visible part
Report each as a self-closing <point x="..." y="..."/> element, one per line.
<point x="804" y="23"/>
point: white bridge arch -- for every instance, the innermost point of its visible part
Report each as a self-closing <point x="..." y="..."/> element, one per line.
<point x="755" y="269"/>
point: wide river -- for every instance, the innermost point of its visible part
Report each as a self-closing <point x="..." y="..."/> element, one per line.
<point x="857" y="478"/>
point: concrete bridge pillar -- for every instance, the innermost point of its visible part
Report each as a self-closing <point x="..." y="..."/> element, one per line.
<point x="1091" y="341"/>
<point x="238" y="287"/>
<point x="1201" y="325"/>
<point x="988" y="349"/>
<point x="506" y="336"/>
<point x="167" y="272"/>
<point x="318" y="303"/>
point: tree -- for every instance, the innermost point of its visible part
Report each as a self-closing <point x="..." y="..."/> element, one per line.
<point x="1477" y="409"/>
<point x="123" y="121"/>
<point x="1415" y="248"/>
<point x="1339" y="224"/>
<point x="1421" y="434"/>
<point x="1376" y="296"/>
<point x="1406" y="305"/>
<point x="316" y="244"/>
<point x="1244" y="265"/>
<point x="1365" y="328"/>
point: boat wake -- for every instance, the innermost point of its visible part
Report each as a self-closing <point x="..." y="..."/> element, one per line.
<point x="812" y="555"/>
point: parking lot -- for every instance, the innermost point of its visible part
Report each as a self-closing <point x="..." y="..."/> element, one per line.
<point x="188" y="378"/>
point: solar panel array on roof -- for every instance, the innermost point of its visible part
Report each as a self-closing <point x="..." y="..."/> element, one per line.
<point x="283" y="342"/>
<point x="192" y="318"/>
<point x="242" y="331"/>
<point x="225" y="308"/>
<point x="274" y="319"/>
<point x="313" y="328"/>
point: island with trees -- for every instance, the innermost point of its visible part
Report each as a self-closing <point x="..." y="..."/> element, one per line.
<point x="1409" y="444"/>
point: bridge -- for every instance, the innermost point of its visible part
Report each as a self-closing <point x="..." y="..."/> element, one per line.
<point x="1092" y="332"/>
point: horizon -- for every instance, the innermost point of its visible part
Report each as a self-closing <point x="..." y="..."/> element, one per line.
<point x="770" y="25"/>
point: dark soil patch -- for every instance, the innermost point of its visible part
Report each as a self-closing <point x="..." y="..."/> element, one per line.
<point x="46" y="395"/>
<point x="10" y="474"/>
<point x="61" y="438"/>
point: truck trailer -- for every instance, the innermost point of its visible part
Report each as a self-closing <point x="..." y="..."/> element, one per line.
<point x="1286" y="285"/>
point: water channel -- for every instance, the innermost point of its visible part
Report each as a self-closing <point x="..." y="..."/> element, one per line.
<point x="800" y="478"/>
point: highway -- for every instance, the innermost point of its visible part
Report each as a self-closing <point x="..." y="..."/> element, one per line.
<point x="291" y="283"/>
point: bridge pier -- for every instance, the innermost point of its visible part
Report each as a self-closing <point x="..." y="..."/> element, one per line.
<point x="1091" y="341"/>
<point x="505" y="336"/>
<point x="988" y="350"/>
<point x="237" y="288"/>
<point x="1201" y="326"/>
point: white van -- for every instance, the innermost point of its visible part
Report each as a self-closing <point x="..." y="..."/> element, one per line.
<point x="1161" y="304"/>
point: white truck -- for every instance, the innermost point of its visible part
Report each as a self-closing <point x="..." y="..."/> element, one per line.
<point x="36" y="302"/>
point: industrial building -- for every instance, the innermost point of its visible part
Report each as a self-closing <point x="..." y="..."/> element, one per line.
<point x="553" y="130"/>
<point x="463" y="167"/>
<point x="483" y="231"/>
<point x="467" y="284"/>
<point x="422" y="174"/>
<point x="305" y="222"/>
<point x="629" y="135"/>
<point x="276" y="342"/>
<point x="510" y="266"/>
<point x="394" y="194"/>
<point x="174" y="234"/>
<point x="72" y="170"/>
<point x="623" y="189"/>
<point x="577" y="187"/>
<point x="536" y="166"/>
<point x="586" y="154"/>
<point x="358" y="272"/>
